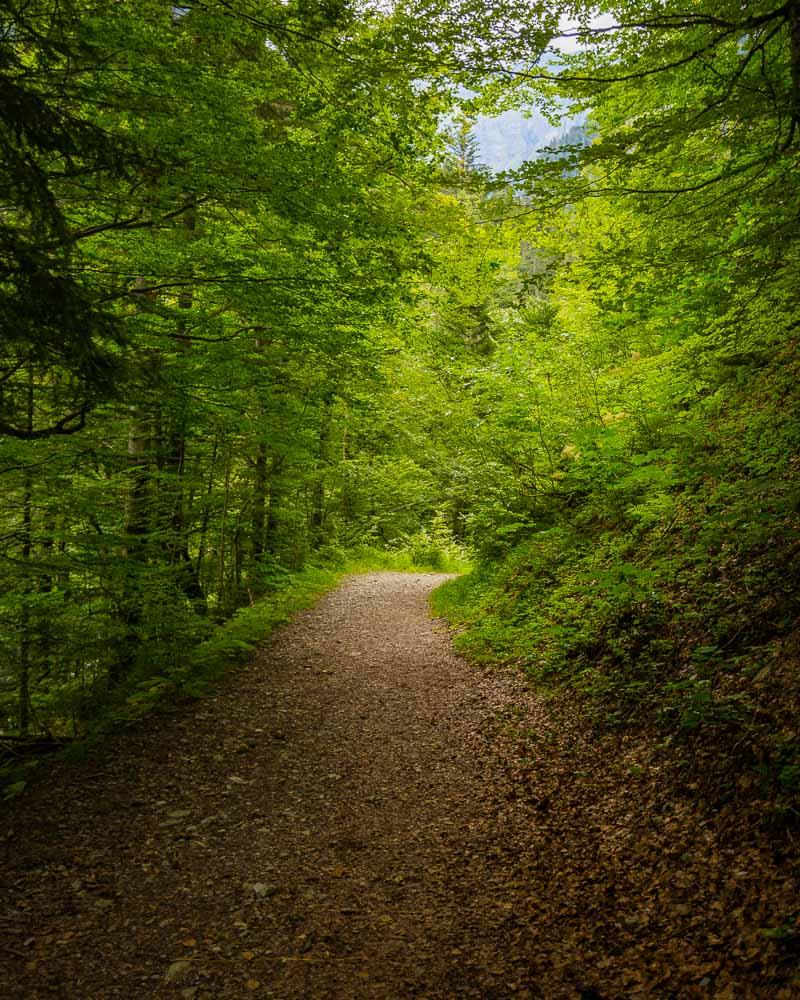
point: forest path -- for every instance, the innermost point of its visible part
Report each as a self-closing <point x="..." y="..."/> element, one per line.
<point x="320" y="828"/>
<point x="362" y="815"/>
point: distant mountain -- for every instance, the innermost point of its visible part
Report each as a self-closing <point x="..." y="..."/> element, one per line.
<point x="507" y="140"/>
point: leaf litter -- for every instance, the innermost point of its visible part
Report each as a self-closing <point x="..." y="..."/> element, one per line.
<point x="419" y="827"/>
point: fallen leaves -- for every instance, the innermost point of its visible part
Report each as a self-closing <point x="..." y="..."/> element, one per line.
<point x="510" y="851"/>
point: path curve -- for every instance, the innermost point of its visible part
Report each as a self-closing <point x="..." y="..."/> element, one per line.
<point x="361" y="815"/>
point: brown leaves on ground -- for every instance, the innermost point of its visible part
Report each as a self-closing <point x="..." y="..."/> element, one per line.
<point x="363" y="815"/>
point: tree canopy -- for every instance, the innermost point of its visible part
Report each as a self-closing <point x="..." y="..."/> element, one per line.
<point x="262" y="308"/>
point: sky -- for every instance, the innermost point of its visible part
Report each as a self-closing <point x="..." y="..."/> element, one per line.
<point x="507" y="140"/>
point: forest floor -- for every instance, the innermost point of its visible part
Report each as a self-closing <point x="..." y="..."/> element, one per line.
<point x="361" y="814"/>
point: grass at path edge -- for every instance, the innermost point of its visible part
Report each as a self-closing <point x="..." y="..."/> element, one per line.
<point x="236" y="640"/>
<point x="231" y="646"/>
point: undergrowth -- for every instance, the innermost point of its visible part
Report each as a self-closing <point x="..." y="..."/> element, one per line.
<point x="683" y="621"/>
<point x="235" y="640"/>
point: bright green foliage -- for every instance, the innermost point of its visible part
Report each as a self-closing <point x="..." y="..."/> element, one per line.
<point x="261" y="313"/>
<point x="634" y="428"/>
<point x="232" y="642"/>
<point x="205" y="246"/>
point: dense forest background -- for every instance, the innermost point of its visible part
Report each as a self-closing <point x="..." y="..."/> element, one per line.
<point x="265" y="315"/>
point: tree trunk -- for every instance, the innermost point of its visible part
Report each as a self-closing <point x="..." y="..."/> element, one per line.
<point x="317" y="520"/>
<point x="222" y="538"/>
<point x="135" y="530"/>
<point x="273" y="502"/>
<point x="206" y="516"/>
<point x="793" y="17"/>
<point x="174" y="464"/>
<point x="136" y="527"/>
<point x="136" y="523"/>
<point x="25" y="617"/>
<point x="259" y="512"/>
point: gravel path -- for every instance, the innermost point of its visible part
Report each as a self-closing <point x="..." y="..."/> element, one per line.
<point x="308" y="832"/>
<point x="361" y="815"/>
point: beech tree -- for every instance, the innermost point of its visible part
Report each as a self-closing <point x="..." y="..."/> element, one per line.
<point x="204" y="232"/>
<point x="256" y="315"/>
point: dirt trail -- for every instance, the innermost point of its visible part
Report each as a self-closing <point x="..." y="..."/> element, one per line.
<point x="358" y="815"/>
<point x="305" y="833"/>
